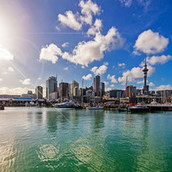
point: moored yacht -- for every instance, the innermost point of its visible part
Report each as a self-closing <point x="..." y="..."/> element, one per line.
<point x="139" y="108"/>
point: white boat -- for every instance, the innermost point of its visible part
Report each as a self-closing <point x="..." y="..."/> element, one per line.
<point x="95" y="108"/>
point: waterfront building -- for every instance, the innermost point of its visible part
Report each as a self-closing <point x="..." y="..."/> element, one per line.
<point x="51" y="86"/>
<point x="115" y="94"/>
<point x="75" y="88"/>
<point x="64" y="90"/>
<point x="130" y="91"/>
<point x="139" y="92"/>
<point x="96" y="85"/>
<point x="29" y="95"/>
<point x="53" y="95"/>
<point x="39" y="92"/>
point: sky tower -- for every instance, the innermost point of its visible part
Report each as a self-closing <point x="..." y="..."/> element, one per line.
<point x="145" y="71"/>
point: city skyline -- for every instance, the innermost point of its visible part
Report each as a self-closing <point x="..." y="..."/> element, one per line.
<point x="83" y="40"/>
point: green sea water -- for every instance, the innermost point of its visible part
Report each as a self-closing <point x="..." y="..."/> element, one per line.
<point x="47" y="139"/>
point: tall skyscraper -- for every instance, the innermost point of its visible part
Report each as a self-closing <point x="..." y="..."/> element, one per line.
<point x="39" y="92"/>
<point x="102" y="89"/>
<point x="130" y="91"/>
<point x="75" y="88"/>
<point x="96" y="85"/>
<point x="145" y="71"/>
<point x="64" y="90"/>
<point x="51" y="86"/>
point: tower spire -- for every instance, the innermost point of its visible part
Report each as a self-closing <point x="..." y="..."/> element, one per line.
<point x="145" y="71"/>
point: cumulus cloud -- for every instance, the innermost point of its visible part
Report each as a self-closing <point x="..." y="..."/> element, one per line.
<point x="134" y="73"/>
<point x="5" y="54"/>
<point x="95" y="28"/>
<point x="75" y="21"/>
<point x="14" y="91"/>
<point x="159" y="59"/>
<point x="50" y="53"/>
<point x="87" y="52"/>
<point x="164" y="87"/>
<point x="71" y="20"/>
<point x="26" y="81"/>
<point x="112" y="78"/>
<point x="87" y="77"/>
<point x="112" y="85"/>
<point x="151" y="42"/>
<point x="65" y="44"/>
<point x="10" y="69"/>
<point x="88" y="9"/>
<point x="99" y="71"/>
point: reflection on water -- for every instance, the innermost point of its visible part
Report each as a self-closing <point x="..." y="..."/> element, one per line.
<point x="47" y="139"/>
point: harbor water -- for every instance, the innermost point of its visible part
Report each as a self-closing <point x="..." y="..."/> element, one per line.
<point x="49" y="139"/>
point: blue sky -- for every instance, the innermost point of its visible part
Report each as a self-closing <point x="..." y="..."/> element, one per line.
<point x="79" y="39"/>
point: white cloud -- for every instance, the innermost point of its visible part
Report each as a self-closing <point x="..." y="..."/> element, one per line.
<point x="26" y="81"/>
<point x="99" y="71"/>
<point x="164" y="87"/>
<point x="5" y="54"/>
<point x="134" y="73"/>
<point x="65" y="44"/>
<point x="66" y="68"/>
<point x="106" y="83"/>
<point x="1" y="79"/>
<point x="14" y="91"/>
<point x="70" y="20"/>
<point x="50" y="53"/>
<point x="4" y="73"/>
<point x="112" y="78"/>
<point x="87" y="77"/>
<point x="140" y="82"/>
<point x="87" y="52"/>
<point x="95" y="28"/>
<point x="10" y="69"/>
<point x="151" y="42"/>
<point x="39" y="78"/>
<point x="108" y="89"/>
<point x="159" y="59"/>
<point x="151" y="84"/>
<point x="112" y="85"/>
<point x="127" y="3"/>
<point x="88" y="9"/>
<point x="121" y="64"/>
<point x="106" y="63"/>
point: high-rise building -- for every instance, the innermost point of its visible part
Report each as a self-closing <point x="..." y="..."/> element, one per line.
<point x="145" y="87"/>
<point x="75" y="88"/>
<point x="64" y="90"/>
<point x="96" y="85"/>
<point x="51" y="86"/>
<point x="102" y="89"/>
<point x="39" y="92"/>
<point x="130" y="91"/>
